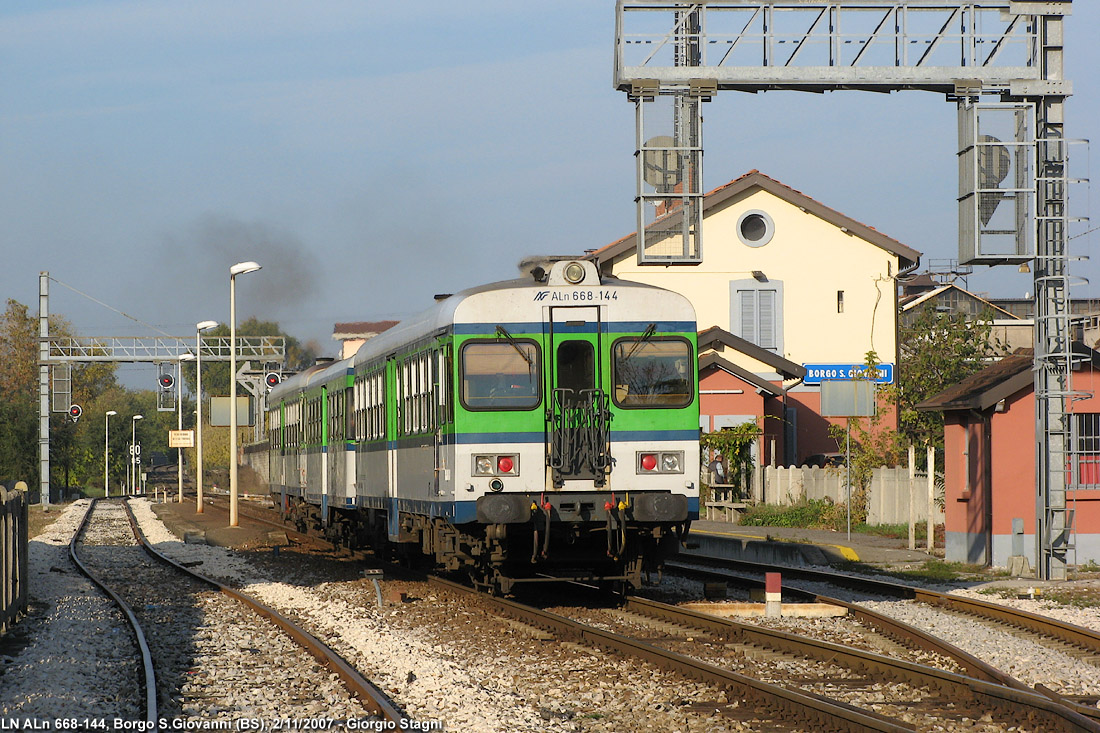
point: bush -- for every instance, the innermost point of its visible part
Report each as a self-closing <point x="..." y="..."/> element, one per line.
<point x="811" y="514"/>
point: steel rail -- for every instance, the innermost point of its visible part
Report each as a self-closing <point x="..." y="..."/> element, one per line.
<point x="989" y="683"/>
<point x="373" y="697"/>
<point x="994" y="696"/>
<point x="901" y="631"/>
<point x="824" y="713"/>
<point x="1079" y="636"/>
<point x="151" y="717"/>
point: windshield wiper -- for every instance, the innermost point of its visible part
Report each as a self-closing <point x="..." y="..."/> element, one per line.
<point x="503" y="333"/>
<point x="646" y="336"/>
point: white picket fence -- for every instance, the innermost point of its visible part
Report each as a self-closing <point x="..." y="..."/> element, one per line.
<point x="890" y="493"/>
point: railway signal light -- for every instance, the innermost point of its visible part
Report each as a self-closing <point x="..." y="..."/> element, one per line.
<point x="75" y="412"/>
<point x="166" y="382"/>
<point x="272" y="379"/>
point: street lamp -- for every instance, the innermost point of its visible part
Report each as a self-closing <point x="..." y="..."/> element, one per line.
<point x="199" y="328"/>
<point x="133" y="451"/>
<point x="106" y="448"/>
<point x="179" y="420"/>
<point x="238" y="269"/>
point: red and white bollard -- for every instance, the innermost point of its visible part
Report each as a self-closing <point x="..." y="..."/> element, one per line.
<point x="773" y="595"/>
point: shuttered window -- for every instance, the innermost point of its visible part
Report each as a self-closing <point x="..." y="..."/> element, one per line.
<point x="757" y="313"/>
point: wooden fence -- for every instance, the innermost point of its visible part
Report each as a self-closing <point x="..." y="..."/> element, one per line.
<point x="889" y="494"/>
<point x="13" y="554"/>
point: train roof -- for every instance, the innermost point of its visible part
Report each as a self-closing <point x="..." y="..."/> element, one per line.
<point x="440" y="316"/>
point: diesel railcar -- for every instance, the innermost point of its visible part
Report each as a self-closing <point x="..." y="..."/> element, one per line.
<point x="546" y="427"/>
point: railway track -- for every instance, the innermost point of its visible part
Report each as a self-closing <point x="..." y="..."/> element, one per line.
<point x="210" y="652"/>
<point x="803" y="684"/>
<point x="997" y="696"/>
<point x="1043" y="627"/>
<point x="1081" y="643"/>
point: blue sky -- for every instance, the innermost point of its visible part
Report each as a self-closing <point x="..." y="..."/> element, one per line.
<point x="370" y="154"/>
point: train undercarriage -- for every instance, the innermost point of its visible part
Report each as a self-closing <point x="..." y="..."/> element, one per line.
<point x="612" y="551"/>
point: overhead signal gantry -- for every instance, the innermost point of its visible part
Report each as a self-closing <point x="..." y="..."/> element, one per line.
<point x="1000" y="62"/>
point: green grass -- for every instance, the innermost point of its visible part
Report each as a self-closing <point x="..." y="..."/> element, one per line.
<point x="896" y="531"/>
<point x="823" y="514"/>
<point x="939" y="571"/>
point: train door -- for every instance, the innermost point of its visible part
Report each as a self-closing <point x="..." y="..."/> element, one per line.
<point x="578" y="446"/>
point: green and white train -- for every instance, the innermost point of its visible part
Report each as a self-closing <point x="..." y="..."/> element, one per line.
<point x="546" y="427"/>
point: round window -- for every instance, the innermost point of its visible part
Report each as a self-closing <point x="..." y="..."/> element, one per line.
<point x="755" y="228"/>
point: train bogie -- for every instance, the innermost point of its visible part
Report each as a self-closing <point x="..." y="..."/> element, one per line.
<point x="546" y="426"/>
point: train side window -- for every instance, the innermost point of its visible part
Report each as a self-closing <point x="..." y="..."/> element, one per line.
<point x="500" y="375"/>
<point x="380" y="405"/>
<point x="443" y="387"/>
<point x="652" y="373"/>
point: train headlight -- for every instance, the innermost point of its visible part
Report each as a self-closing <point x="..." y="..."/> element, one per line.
<point x="660" y="462"/>
<point x="483" y="466"/>
<point x="574" y="272"/>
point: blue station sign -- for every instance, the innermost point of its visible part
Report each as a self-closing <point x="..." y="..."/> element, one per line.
<point x="817" y="373"/>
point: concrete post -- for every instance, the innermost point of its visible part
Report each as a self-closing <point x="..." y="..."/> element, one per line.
<point x="931" y="498"/>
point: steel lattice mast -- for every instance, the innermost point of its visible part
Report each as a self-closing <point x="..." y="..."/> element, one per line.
<point x="1010" y="52"/>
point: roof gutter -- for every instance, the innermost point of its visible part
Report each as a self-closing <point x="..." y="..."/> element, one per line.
<point x="902" y="272"/>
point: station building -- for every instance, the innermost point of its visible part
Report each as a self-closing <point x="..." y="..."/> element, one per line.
<point x="989" y="464"/>
<point x="788" y="290"/>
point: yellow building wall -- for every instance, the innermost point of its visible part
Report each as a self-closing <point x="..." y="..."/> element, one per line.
<point x="813" y="258"/>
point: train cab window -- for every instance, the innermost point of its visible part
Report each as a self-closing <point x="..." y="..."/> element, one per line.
<point x="652" y="372"/>
<point x="576" y="369"/>
<point x="500" y="375"/>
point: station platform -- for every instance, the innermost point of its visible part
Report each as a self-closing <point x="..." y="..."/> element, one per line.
<point x="798" y="547"/>
<point x="212" y="526"/>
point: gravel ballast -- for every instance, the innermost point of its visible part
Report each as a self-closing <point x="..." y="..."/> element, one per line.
<point x="443" y="661"/>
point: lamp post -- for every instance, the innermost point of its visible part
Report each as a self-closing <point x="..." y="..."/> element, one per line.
<point x="199" y="328"/>
<point x="133" y="452"/>
<point x="179" y="421"/>
<point x="106" y="450"/>
<point x="238" y="269"/>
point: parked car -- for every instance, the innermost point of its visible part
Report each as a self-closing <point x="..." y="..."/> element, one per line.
<point x="823" y="460"/>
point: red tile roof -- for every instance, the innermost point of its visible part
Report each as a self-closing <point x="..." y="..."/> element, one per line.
<point x="755" y="178"/>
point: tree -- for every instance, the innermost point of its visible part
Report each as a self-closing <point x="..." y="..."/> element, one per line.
<point x="938" y="350"/>
<point x="19" y="402"/>
<point x="18" y="390"/>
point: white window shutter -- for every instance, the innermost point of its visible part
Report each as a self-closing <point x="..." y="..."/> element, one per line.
<point x="748" y="315"/>
<point x="766" y="319"/>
